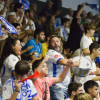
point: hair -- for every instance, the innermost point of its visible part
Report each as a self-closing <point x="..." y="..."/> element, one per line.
<point x="27" y="11"/>
<point x="73" y="87"/>
<point x="15" y="24"/>
<point x="49" y="46"/>
<point x="17" y="5"/>
<point x="89" y="26"/>
<point x="22" y="67"/>
<point x="64" y="20"/>
<point x="7" y="50"/>
<point x="82" y="96"/>
<point x="37" y="32"/>
<point x="90" y="84"/>
<point x="94" y="45"/>
<point x="36" y="63"/>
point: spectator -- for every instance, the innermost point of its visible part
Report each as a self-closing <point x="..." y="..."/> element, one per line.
<point x="43" y="83"/>
<point x="91" y="87"/>
<point x="14" y="89"/>
<point x="73" y="89"/>
<point x="56" y="65"/>
<point x="10" y="56"/>
<point x="70" y="14"/>
<point x="87" y="62"/>
<point x="36" y="51"/>
<point x="75" y="30"/>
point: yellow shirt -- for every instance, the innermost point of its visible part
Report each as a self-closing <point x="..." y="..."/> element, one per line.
<point x="44" y="49"/>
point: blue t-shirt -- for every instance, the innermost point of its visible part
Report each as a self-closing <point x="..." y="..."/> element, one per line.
<point x="36" y="47"/>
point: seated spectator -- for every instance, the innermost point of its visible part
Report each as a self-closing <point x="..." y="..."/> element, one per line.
<point x="14" y="89"/>
<point x="73" y="89"/>
<point x="39" y="23"/>
<point x="43" y="83"/>
<point x="82" y="96"/>
<point x="36" y="51"/>
<point x="91" y="87"/>
<point x="87" y="62"/>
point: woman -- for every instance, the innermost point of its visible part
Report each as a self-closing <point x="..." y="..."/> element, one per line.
<point x="10" y="56"/>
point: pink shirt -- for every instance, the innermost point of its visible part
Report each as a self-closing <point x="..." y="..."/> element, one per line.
<point x="42" y="86"/>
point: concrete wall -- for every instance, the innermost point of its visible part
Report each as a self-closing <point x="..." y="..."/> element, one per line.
<point x="74" y="3"/>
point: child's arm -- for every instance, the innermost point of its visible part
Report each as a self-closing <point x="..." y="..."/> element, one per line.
<point x="64" y="73"/>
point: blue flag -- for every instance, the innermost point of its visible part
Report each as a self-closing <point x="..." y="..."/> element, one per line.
<point x="1" y="33"/>
<point x="26" y="4"/>
<point x="10" y="27"/>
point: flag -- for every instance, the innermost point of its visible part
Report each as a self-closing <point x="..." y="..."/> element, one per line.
<point x="10" y="27"/>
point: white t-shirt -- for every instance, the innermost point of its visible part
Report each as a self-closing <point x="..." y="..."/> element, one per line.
<point x="8" y="67"/>
<point x="67" y="99"/>
<point x="32" y="26"/>
<point x="27" y="90"/>
<point x="55" y="69"/>
<point x="85" y="63"/>
<point x="85" y="42"/>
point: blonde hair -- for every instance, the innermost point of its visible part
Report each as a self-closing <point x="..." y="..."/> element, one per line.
<point x="82" y="96"/>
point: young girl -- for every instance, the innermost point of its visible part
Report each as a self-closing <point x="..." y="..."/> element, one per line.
<point x="43" y="83"/>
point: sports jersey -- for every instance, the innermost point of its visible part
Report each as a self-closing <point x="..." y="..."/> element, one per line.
<point x="85" y="63"/>
<point x="27" y="90"/>
<point x="8" y="67"/>
<point x="36" y="47"/>
<point x="55" y="69"/>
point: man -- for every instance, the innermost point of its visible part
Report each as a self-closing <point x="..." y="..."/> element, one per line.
<point x="14" y="89"/>
<point x="56" y="64"/>
<point x="73" y="89"/>
<point x="91" y="87"/>
<point x="87" y="62"/>
<point x="36" y="51"/>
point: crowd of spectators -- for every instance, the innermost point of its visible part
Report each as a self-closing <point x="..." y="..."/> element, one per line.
<point x="64" y="50"/>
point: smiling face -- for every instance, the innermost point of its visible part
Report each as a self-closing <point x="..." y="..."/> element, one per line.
<point x="17" y="48"/>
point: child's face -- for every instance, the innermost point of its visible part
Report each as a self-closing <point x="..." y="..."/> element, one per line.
<point x="44" y="70"/>
<point x="97" y="52"/>
<point x="94" y="92"/>
<point x="91" y="32"/>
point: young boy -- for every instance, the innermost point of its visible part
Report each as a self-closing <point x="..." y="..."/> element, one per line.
<point x="13" y="89"/>
<point x="91" y="87"/>
<point x="43" y="83"/>
<point x="73" y="89"/>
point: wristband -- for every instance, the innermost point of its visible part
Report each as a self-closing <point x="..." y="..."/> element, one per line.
<point x="92" y="73"/>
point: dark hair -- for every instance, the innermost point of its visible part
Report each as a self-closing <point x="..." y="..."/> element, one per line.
<point x="22" y="67"/>
<point x="94" y="45"/>
<point x="27" y="11"/>
<point x="17" y="5"/>
<point x="37" y="32"/>
<point x="90" y="84"/>
<point x="7" y="50"/>
<point x="36" y="64"/>
<point x="89" y="26"/>
<point x="15" y="24"/>
<point x="73" y="87"/>
<point x="64" y="20"/>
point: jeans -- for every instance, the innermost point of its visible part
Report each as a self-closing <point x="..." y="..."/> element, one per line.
<point x="56" y="93"/>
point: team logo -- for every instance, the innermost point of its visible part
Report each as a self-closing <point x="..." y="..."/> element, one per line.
<point x="56" y="56"/>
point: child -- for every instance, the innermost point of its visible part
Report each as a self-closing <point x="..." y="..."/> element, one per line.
<point x="13" y="89"/>
<point x="91" y="87"/>
<point x="43" y="83"/>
